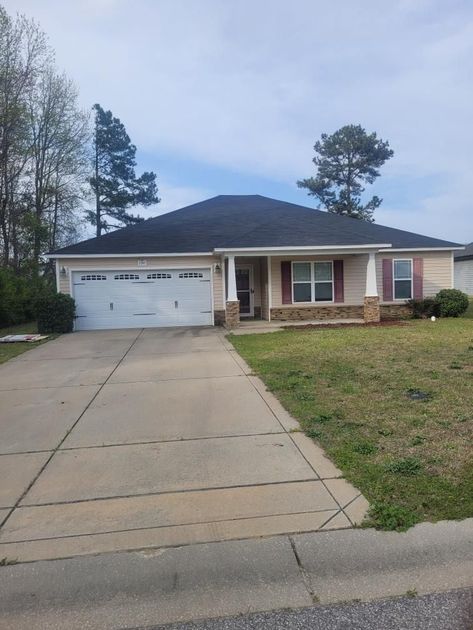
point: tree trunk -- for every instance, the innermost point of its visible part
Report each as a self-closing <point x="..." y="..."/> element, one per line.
<point x="98" y="213"/>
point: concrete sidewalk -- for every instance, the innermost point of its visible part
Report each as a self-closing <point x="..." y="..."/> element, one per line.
<point x="147" y="588"/>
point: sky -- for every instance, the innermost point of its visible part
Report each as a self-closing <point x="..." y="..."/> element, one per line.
<point x="229" y="96"/>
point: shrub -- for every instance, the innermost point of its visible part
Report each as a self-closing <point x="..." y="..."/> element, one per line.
<point x="55" y="312"/>
<point x="425" y="308"/>
<point x="18" y="296"/>
<point x="451" y="302"/>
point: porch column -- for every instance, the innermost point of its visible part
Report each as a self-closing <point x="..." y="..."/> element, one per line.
<point x="232" y="310"/>
<point x="371" y="310"/>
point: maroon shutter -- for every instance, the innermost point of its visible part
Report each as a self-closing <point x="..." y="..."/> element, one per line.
<point x="418" y="274"/>
<point x="387" y="279"/>
<point x="338" y="288"/>
<point x="286" y="282"/>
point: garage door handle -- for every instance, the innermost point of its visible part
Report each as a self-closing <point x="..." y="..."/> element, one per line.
<point x="111" y="306"/>
<point x="176" y="304"/>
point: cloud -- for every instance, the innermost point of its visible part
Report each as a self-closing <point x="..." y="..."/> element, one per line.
<point x="249" y="86"/>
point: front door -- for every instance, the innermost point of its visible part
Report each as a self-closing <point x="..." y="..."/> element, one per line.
<point x="244" y="284"/>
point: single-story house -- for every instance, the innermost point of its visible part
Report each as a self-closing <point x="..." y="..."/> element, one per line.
<point x="463" y="263"/>
<point x="237" y="256"/>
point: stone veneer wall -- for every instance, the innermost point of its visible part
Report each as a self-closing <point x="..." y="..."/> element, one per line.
<point x="232" y="314"/>
<point x="371" y="312"/>
<point x="394" y="311"/>
<point x="299" y="313"/>
<point x="219" y="318"/>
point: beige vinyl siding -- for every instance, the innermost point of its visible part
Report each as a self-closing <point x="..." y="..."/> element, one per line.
<point x="122" y="263"/>
<point x="354" y="278"/>
<point x="438" y="270"/>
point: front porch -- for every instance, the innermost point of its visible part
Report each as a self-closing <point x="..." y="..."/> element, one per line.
<point x="290" y="288"/>
<point x="258" y="326"/>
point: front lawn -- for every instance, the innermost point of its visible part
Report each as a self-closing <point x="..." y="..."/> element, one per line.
<point x="392" y="406"/>
<point x="11" y="350"/>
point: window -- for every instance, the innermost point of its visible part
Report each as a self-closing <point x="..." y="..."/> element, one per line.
<point x="402" y="276"/>
<point x="191" y="274"/>
<point x="312" y="281"/>
<point x="158" y="276"/>
<point x="93" y="276"/>
<point x="126" y="276"/>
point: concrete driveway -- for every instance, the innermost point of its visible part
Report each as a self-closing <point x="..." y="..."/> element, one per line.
<point x="135" y="439"/>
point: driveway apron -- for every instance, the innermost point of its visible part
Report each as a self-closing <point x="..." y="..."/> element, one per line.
<point x="132" y="439"/>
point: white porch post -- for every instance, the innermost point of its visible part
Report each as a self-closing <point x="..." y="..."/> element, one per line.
<point x="231" y="289"/>
<point x="270" y="288"/>
<point x="232" y="306"/>
<point x="371" y="310"/>
<point x="371" y="286"/>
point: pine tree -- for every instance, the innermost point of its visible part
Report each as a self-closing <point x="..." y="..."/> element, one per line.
<point x="345" y="161"/>
<point x="114" y="182"/>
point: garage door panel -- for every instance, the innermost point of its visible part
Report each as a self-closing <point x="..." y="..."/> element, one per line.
<point x="131" y="299"/>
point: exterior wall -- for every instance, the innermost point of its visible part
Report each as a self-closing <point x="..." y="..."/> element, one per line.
<point x="73" y="264"/>
<point x="464" y="276"/>
<point x="438" y="271"/>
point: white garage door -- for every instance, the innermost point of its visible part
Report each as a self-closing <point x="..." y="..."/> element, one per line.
<point x="140" y="299"/>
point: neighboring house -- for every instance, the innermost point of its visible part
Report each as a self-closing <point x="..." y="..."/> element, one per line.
<point x="236" y="256"/>
<point x="464" y="270"/>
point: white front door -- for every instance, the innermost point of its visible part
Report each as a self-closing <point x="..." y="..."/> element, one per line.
<point x="142" y="298"/>
<point x="245" y="290"/>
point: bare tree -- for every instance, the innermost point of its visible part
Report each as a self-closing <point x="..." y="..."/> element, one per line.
<point x="23" y="52"/>
<point x="60" y="136"/>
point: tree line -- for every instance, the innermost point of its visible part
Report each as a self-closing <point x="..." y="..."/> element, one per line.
<point x="59" y="165"/>
<point x="62" y="166"/>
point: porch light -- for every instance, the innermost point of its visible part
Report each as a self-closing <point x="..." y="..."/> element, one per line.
<point x="217" y="268"/>
<point x="63" y="271"/>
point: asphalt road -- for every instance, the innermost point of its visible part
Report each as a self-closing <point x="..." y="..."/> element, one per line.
<point x="452" y="610"/>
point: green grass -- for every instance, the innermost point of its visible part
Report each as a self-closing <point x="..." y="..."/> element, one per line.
<point x="10" y="350"/>
<point x="351" y="389"/>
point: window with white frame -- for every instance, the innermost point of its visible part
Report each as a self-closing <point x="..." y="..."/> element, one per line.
<point x="402" y="279"/>
<point x="312" y="281"/>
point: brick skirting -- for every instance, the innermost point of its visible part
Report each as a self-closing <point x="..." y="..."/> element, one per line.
<point x="299" y="313"/>
<point x="394" y="311"/>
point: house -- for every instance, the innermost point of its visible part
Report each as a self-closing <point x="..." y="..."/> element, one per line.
<point x="237" y="256"/>
<point x="463" y="263"/>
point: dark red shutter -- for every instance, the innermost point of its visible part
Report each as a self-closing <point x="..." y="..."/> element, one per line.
<point x="418" y="272"/>
<point x="338" y="288"/>
<point x="286" y="282"/>
<point x="387" y="279"/>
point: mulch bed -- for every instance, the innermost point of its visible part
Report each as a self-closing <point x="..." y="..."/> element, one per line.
<point x="398" y="322"/>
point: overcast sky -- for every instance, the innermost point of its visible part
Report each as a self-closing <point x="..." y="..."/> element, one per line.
<point x="229" y="96"/>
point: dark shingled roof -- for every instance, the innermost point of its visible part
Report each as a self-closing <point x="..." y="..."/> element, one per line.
<point x="465" y="254"/>
<point x="233" y="221"/>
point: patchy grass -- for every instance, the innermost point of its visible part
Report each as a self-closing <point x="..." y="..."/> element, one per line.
<point x="10" y="350"/>
<point x="352" y="391"/>
<point x="468" y="314"/>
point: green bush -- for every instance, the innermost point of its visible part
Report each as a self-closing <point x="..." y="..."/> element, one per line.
<point x="425" y="308"/>
<point x="18" y="297"/>
<point x="451" y="302"/>
<point x="55" y="312"/>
